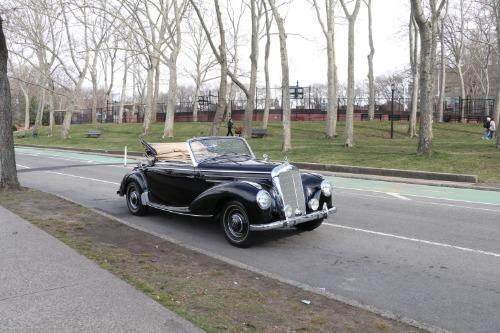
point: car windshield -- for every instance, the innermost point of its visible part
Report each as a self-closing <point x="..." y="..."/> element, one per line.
<point x="216" y="149"/>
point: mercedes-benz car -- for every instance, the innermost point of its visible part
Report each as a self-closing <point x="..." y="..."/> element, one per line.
<point x="220" y="177"/>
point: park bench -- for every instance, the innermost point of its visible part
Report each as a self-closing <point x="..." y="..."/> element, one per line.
<point x="476" y="119"/>
<point x="259" y="132"/>
<point x="95" y="133"/>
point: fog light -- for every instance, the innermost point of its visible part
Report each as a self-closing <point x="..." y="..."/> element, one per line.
<point x="326" y="188"/>
<point x="288" y="211"/>
<point x="313" y="204"/>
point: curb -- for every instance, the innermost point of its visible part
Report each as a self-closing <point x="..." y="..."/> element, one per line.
<point x="300" y="285"/>
<point x="353" y="170"/>
<point x="451" y="177"/>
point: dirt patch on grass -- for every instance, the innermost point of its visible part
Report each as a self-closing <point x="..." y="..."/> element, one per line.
<point x="214" y="295"/>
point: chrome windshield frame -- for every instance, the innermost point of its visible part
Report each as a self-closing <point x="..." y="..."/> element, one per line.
<point x="196" y="162"/>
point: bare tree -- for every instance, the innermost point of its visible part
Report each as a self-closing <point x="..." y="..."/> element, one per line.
<point x="198" y="57"/>
<point x="442" y="72"/>
<point x="497" y="106"/>
<point x="267" y="98"/>
<point x="8" y="172"/>
<point x="454" y="36"/>
<point x="329" y="33"/>
<point x="221" y="56"/>
<point x="235" y="18"/>
<point x="174" y="44"/>
<point x="349" y="119"/>
<point x="428" y="44"/>
<point x="285" y="82"/>
<point x="371" y="88"/>
<point x="415" y="65"/>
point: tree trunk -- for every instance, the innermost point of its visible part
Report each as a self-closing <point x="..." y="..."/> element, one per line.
<point x="442" y="80"/>
<point x="331" y="116"/>
<point x="254" y="55"/>
<point x="69" y="114"/>
<point x="285" y="82"/>
<point x="371" y="87"/>
<point x="51" y="108"/>
<point x="415" y="64"/>
<point x="124" y="90"/>
<point x="221" y="105"/>
<point x="8" y="172"/>
<point x="265" y="117"/>
<point x="149" y="100"/>
<point x="426" y="91"/>
<point x="154" y="110"/>
<point x="349" y="119"/>
<point x="26" y="108"/>
<point x="196" y="104"/>
<point x="168" y="131"/>
<point x="463" y="96"/>
<point x="93" y="78"/>
<point x="497" y="101"/>
<point x="41" y="106"/>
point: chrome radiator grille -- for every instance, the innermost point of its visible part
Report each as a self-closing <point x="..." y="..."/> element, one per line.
<point x="289" y="184"/>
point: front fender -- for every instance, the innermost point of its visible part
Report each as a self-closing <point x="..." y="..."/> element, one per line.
<point x="136" y="175"/>
<point x="211" y="201"/>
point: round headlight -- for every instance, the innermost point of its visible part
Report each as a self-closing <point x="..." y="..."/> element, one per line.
<point x="313" y="204"/>
<point x="326" y="188"/>
<point x="264" y="199"/>
<point x="288" y="211"/>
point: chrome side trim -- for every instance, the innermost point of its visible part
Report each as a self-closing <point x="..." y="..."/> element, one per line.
<point x="293" y="221"/>
<point x="257" y="186"/>
<point x="175" y="210"/>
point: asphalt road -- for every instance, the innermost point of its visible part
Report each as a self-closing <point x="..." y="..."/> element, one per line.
<point x="427" y="253"/>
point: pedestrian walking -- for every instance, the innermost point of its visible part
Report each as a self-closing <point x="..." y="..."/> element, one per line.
<point x="492" y="129"/>
<point x="230" y="127"/>
<point x="486" y="126"/>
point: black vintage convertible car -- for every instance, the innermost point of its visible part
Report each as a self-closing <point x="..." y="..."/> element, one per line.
<point x="220" y="177"/>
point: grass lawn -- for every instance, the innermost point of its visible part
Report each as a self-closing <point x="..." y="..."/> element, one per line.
<point x="457" y="148"/>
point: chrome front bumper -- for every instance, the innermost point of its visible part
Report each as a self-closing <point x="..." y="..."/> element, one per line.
<point x="293" y="220"/>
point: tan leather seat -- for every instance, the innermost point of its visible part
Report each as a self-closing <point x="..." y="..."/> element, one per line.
<point x="172" y="151"/>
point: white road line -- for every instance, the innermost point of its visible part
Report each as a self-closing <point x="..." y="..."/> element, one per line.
<point x="465" y="249"/>
<point x="80" y="177"/>
<point x="23" y="166"/>
<point x="399" y="196"/>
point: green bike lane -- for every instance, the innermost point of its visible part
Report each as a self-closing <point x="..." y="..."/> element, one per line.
<point x="376" y="186"/>
<point x="416" y="190"/>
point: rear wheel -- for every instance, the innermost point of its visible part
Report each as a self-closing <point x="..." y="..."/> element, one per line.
<point x="236" y="224"/>
<point x="134" y="202"/>
<point x="309" y="226"/>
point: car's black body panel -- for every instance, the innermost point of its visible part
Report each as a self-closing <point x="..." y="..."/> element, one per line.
<point x="207" y="188"/>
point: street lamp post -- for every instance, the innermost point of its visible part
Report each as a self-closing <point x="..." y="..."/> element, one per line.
<point x="392" y="110"/>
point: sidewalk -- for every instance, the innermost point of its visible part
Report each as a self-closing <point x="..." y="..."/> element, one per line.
<point x="47" y="287"/>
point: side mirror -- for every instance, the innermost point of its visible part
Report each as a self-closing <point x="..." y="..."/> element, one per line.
<point x="265" y="157"/>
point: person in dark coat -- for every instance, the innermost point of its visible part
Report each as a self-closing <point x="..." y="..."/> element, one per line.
<point x="486" y="126"/>
<point x="230" y="127"/>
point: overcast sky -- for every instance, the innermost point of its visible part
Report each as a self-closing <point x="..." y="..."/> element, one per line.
<point x="306" y="44"/>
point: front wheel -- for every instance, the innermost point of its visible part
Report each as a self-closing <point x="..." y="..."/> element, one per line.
<point x="309" y="226"/>
<point x="236" y="224"/>
<point x="134" y="202"/>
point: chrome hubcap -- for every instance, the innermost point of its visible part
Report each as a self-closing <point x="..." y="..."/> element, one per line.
<point x="133" y="199"/>
<point x="236" y="224"/>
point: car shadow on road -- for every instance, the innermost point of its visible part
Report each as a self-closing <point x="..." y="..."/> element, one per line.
<point x="209" y="228"/>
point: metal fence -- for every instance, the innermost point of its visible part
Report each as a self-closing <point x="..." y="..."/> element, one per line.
<point x="306" y="109"/>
